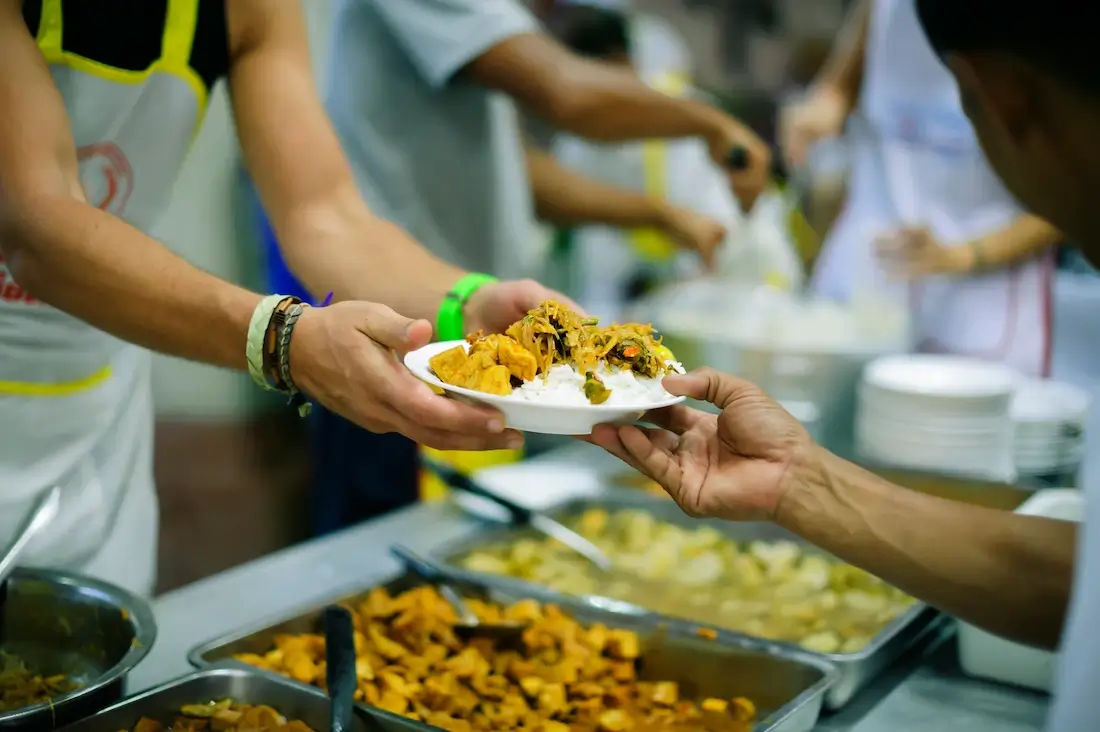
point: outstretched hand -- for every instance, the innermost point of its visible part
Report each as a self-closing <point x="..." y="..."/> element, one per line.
<point x="736" y="465"/>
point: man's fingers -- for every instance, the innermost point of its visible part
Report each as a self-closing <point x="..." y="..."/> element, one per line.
<point x="535" y="294"/>
<point x="607" y="437"/>
<point x="392" y="330"/>
<point x="708" y="385"/>
<point x="443" y="440"/>
<point x="677" y="418"/>
<point x="663" y="440"/>
<point x="651" y="451"/>
<point x="416" y="402"/>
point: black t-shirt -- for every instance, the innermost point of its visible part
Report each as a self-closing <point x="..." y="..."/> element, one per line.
<point x="126" y="34"/>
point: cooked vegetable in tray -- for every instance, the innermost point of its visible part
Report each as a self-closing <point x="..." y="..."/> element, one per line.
<point x="21" y="687"/>
<point x="560" y="677"/>
<point x="772" y="590"/>
<point x="224" y="716"/>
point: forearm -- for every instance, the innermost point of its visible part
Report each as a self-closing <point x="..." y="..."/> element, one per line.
<point x="1026" y="237"/>
<point x="1008" y="573"/>
<point x="610" y="104"/>
<point x="566" y="198"/>
<point x="337" y="245"/>
<point x="98" y="268"/>
<point x="842" y="73"/>
<point x="600" y="101"/>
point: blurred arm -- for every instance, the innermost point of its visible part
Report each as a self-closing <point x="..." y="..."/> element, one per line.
<point x="566" y="198"/>
<point x="596" y="100"/>
<point x="1024" y="238"/>
<point x="843" y="71"/>
<point x="1005" y="572"/>
<point x="329" y="237"/>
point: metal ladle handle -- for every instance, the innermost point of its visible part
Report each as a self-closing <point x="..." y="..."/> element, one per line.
<point x="45" y="508"/>
<point x="432" y="575"/>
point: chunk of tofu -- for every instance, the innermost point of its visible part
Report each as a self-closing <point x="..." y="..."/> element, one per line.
<point x="552" y="698"/>
<point x="615" y="720"/>
<point x="666" y="693"/>
<point x="623" y="644"/>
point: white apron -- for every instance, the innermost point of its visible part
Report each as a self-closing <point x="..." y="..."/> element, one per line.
<point x="76" y="406"/>
<point x="916" y="162"/>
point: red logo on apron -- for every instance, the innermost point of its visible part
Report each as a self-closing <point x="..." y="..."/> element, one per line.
<point x="106" y="176"/>
<point x="108" y="181"/>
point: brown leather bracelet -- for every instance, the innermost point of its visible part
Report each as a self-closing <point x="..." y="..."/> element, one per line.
<point x="272" y="336"/>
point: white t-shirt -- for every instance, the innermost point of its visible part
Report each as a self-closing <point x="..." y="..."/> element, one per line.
<point x="439" y="155"/>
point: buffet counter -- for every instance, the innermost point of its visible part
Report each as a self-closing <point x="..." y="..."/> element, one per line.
<point x="924" y="692"/>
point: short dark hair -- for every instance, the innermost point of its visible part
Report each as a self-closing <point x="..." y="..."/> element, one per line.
<point x="1056" y="35"/>
<point x="594" y="32"/>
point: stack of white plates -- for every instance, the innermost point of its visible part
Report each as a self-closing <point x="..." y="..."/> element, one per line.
<point x="938" y="414"/>
<point x="1049" y="418"/>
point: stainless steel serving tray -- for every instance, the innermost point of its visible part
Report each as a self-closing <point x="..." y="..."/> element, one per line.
<point x="786" y="684"/>
<point x="246" y="687"/>
<point x="856" y="670"/>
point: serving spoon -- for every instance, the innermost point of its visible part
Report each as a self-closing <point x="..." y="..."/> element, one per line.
<point x="41" y="513"/>
<point x="521" y="515"/>
<point x="468" y="625"/>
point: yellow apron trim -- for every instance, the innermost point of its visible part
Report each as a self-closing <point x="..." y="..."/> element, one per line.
<point x="651" y="244"/>
<point x="50" y="26"/>
<point x="176" y="43"/>
<point x="60" y="389"/>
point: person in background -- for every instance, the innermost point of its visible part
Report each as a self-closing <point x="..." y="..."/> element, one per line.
<point x="923" y="204"/>
<point x="611" y="266"/>
<point x="101" y="102"/>
<point x="1030" y="86"/>
<point x="424" y="95"/>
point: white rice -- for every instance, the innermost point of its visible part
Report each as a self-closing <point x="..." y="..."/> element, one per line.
<point x="564" y="386"/>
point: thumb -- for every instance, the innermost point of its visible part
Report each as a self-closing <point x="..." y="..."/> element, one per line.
<point x="392" y="330"/>
<point x="708" y="385"/>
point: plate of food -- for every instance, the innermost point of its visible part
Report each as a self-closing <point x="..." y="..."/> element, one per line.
<point x="555" y="372"/>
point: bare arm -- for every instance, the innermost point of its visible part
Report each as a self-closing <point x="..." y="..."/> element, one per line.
<point x="329" y="237"/>
<point x="596" y="100"/>
<point x="565" y="197"/>
<point x="843" y="71"/>
<point x="82" y="260"/>
<point x="1002" y="571"/>
<point x="1024" y="238"/>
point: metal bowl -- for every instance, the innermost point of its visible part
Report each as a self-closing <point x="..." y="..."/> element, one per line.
<point x="60" y="623"/>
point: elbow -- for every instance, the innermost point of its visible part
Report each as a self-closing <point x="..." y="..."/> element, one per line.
<point x="22" y="214"/>
<point x="16" y="250"/>
<point x="14" y="239"/>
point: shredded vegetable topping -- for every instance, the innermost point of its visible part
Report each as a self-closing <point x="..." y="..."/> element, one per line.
<point x="21" y="687"/>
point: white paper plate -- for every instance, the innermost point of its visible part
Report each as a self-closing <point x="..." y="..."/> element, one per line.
<point x="897" y="429"/>
<point x="941" y="377"/>
<point x="528" y="416"/>
<point x="1039" y="402"/>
